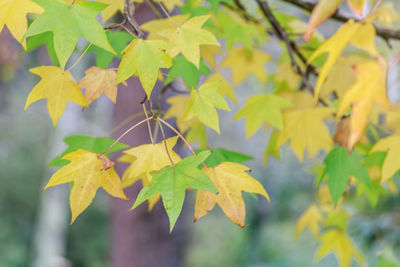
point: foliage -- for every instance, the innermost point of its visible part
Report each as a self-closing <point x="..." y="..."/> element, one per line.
<point x="347" y="113"/>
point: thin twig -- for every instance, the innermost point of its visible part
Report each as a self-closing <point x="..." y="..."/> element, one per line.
<point x="125" y="133"/>
<point x="148" y="123"/>
<point x="180" y="136"/>
<point x="165" y="142"/>
<point x="80" y="57"/>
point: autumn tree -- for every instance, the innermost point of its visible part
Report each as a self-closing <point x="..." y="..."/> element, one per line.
<point x="323" y="93"/>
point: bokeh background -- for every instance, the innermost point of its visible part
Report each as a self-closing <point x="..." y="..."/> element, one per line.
<point x="34" y="224"/>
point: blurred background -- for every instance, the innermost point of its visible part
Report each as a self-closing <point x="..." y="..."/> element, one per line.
<point x="34" y="224"/>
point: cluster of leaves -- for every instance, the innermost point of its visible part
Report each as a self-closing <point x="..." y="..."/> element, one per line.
<point x="350" y="91"/>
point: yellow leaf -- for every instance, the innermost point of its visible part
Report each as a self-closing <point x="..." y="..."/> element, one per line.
<point x="341" y="77"/>
<point x="368" y="90"/>
<point x="208" y="53"/>
<point x="58" y="87"/>
<point x="310" y="219"/>
<point x="188" y="37"/>
<point x="13" y="15"/>
<point x="244" y="63"/>
<point x="357" y="6"/>
<point x="359" y="34"/>
<point x="113" y="7"/>
<point x="338" y="242"/>
<point x="144" y="58"/>
<point x="87" y="172"/>
<point x="230" y="179"/>
<point x="391" y="164"/>
<point x="203" y="104"/>
<point x="305" y="129"/>
<point x="99" y="81"/>
<point x="225" y="88"/>
<point x="385" y="15"/>
<point x="321" y="12"/>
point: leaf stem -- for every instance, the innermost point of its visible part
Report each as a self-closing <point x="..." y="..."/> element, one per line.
<point x="80" y="57"/>
<point x="125" y="133"/>
<point x="165" y="142"/>
<point x="148" y="123"/>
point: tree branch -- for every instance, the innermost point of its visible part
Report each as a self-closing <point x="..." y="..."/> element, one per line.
<point x="128" y="10"/>
<point x="290" y="45"/>
<point x="384" y="33"/>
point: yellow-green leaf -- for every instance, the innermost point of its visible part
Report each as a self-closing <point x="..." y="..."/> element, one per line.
<point x="144" y="58"/>
<point x="336" y="241"/>
<point x="259" y="109"/>
<point x="203" y="103"/>
<point x="188" y="37"/>
<point x="391" y="163"/>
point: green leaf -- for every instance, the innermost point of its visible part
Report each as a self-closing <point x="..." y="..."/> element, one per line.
<point x="339" y="166"/>
<point x="46" y="39"/>
<point x="215" y="4"/>
<point x="118" y="41"/>
<point x="203" y="103"/>
<point x="260" y="109"/>
<point x="96" y="145"/>
<point x="219" y="155"/>
<point x="388" y="259"/>
<point x="172" y="183"/>
<point x="181" y="67"/>
<point x="68" y="23"/>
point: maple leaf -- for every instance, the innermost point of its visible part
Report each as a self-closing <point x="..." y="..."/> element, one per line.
<point x="243" y="63"/>
<point x="391" y="145"/>
<point x="311" y="219"/>
<point x="143" y="58"/>
<point x="225" y="88"/>
<point x="304" y="126"/>
<point x="208" y="53"/>
<point x="260" y="109"/>
<point x="157" y="26"/>
<point x="361" y="35"/>
<point x="92" y="144"/>
<point x="185" y="69"/>
<point x="188" y="37"/>
<point x="368" y="90"/>
<point x="194" y="128"/>
<point x="321" y="12"/>
<point x="87" y="172"/>
<point x="287" y="76"/>
<point x="58" y="87"/>
<point x="230" y="179"/>
<point x="357" y="6"/>
<point x="118" y="41"/>
<point x="220" y="155"/>
<point x="340" y="165"/>
<point x="68" y="23"/>
<point x="13" y="15"/>
<point x="99" y="81"/>
<point x="172" y="183"/>
<point x="113" y="7"/>
<point x="203" y="103"/>
<point x="146" y="158"/>
<point x="338" y="242"/>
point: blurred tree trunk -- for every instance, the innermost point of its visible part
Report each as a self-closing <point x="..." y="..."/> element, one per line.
<point x="140" y="238"/>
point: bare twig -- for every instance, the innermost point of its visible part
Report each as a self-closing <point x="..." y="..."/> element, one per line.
<point x="129" y="16"/>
